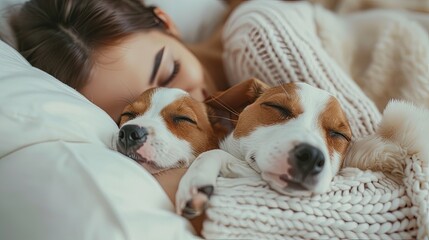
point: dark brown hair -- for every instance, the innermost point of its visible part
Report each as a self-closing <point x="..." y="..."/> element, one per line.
<point x="61" y="36"/>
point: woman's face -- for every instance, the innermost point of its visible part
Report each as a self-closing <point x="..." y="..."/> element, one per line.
<point x="141" y="61"/>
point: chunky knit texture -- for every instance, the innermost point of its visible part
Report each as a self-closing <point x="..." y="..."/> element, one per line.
<point x="385" y="51"/>
<point x="360" y="205"/>
<point x="279" y="42"/>
<point x="363" y="205"/>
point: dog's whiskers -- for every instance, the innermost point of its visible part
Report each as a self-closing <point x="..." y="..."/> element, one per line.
<point x="229" y="119"/>
<point x="129" y="101"/>
<point x="126" y="100"/>
<point x="171" y="155"/>
<point x="284" y="90"/>
<point x="231" y="110"/>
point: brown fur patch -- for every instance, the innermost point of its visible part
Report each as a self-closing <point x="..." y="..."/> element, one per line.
<point x="230" y="103"/>
<point x="138" y="107"/>
<point x="259" y="114"/>
<point x="333" y="119"/>
<point x="200" y="135"/>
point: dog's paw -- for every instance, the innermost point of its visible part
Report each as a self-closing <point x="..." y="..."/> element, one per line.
<point x="195" y="202"/>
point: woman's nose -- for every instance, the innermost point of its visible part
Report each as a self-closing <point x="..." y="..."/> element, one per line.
<point x="194" y="86"/>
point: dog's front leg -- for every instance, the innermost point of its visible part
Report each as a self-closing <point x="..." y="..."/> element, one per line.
<point x="197" y="185"/>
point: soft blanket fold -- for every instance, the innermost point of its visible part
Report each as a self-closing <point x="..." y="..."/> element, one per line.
<point x="360" y="205"/>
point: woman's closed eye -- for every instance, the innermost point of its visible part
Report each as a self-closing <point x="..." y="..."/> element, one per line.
<point x="173" y="74"/>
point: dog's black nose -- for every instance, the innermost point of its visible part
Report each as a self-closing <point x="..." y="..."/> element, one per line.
<point x="131" y="135"/>
<point x="309" y="159"/>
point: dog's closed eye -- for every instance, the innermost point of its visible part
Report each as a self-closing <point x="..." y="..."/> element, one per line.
<point x="284" y="111"/>
<point x="182" y="118"/>
<point x="126" y="116"/>
<point x="337" y="134"/>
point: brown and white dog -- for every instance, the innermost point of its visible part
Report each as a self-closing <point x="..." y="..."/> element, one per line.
<point x="164" y="130"/>
<point x="294" y="135"/>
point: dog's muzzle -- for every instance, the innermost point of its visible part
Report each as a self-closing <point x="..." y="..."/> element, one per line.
<point x="131" y="137"/>
<point x="307" y="162"/>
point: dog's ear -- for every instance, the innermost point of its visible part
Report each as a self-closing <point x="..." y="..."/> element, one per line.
<point x="237" y="97"/>
<point x="225" y="106"/>
<point x="221" y="124"/>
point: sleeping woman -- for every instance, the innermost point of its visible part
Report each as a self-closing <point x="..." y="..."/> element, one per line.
<point x="112" y="50"/>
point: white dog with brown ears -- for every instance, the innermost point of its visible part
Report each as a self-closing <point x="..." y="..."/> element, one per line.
<point x="164" y="130"/>
<point x="294" y="135"/>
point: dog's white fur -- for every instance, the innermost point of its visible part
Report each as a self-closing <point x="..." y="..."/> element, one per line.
<point x="162" y="146"/>
<point x="266" y="150"/>
<point x="271" y="145"/>
<point x="163" y="149"/>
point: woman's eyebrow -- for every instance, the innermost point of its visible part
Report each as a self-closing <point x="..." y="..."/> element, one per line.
<point x="157" y="63"/>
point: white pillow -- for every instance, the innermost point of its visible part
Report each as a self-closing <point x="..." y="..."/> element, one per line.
<point x="195" y="19"/>
<point x="58" y="178"/>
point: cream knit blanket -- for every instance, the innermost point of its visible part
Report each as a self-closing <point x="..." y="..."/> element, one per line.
<point x="360" y="205"/>
<point x="286" y="42"/>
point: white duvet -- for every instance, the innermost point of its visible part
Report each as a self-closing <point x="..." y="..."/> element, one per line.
<point x="58" y="178"/>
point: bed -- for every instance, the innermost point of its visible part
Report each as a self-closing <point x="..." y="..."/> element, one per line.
<point x="60" y="180"/>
